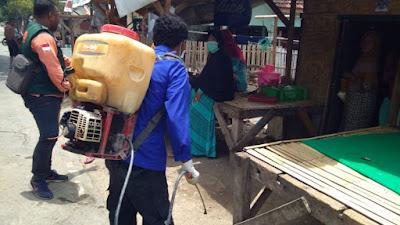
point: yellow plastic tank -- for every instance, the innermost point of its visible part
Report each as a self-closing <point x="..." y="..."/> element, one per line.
<point x="112" y="68"/>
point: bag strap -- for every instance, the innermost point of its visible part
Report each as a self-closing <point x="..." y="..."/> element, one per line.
<point x="149" y="128"/>
<point x="156" y="118"/>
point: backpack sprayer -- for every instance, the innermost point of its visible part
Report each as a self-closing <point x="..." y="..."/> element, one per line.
<point x="105" y="94"/>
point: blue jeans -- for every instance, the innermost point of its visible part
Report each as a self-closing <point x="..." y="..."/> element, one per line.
<point x="45" y="111"/>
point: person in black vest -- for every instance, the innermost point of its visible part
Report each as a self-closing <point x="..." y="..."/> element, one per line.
<point x="46" y="91"/>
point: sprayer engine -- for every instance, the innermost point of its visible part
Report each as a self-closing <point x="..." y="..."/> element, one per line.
<point x="97" y="131"/>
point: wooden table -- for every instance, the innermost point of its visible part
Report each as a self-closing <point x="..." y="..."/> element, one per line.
<point x="240" y="109"/>
<point x="318" y="185"/>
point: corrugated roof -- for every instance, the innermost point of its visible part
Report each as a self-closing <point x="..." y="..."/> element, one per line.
<point x="285" y="4"/>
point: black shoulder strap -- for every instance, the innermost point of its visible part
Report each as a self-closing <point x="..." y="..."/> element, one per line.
<point x="149" y="128"/>
<point x="156" y="118"/>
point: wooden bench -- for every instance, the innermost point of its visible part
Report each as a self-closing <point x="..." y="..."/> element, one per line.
<point x="240" y="108"/>
<point x="320" y="186"/>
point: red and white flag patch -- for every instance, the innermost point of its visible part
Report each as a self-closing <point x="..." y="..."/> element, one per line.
<point x="46" y="47"/>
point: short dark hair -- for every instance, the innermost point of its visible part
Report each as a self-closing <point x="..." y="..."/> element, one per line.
<point x="169" y="30"/>
<point x="11" y="19"/>
<point x="43" y="7"/>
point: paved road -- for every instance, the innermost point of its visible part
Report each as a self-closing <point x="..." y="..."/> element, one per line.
<point x="75" y="202"/>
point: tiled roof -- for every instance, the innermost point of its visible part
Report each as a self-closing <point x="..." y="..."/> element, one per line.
<point x="286" y="4"/>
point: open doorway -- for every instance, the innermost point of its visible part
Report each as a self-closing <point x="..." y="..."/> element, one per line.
<point x="366" y="61"/>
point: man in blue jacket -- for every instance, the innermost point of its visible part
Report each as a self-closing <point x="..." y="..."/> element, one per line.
<point x="147" y="190"/>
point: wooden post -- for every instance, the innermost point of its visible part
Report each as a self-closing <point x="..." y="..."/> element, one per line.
<point x="288" y="70"/>
<point x="253" y="131"/>
<point x="241" y="188"/>
<point x="395" y="101"/>
<point x="71" y="33"/>
<point x="62" y="33"/>
<point x="307" y="122"/>
<point x="167" y="7"/>
<point x="275" y="40"/>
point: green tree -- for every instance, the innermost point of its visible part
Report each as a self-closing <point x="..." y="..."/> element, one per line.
<point x="19" y="9"/>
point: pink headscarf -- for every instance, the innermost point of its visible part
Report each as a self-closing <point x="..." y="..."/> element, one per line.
<point x="230" y="47"/>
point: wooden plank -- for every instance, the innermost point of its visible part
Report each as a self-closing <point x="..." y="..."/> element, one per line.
<point x="323" y="207"/>
<point x="351" y="217"/>
<point x="352" y="190"/>
<point x="306" y="121"/>
<point x="380" y="215"/>
<point x="224" y="127"/>
<point x="254" y="131"/>
<point x="332" y="164"/>
<point x="317" y="186"/>
<point x="281" y="215"/>
<point x="259" y="201"/>
<point x="242" y="188"/>
<point x="340" y="177"/>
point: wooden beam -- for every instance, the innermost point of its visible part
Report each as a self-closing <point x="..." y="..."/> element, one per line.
<point x="112" y="12"/>
<point x="281" y="215"/>
<point x="74" y="16"/>
<point x="224" y="127"/>
<point x="101" y="9"/>
<point x="143" y="11"/>
<point x="242" y="188"/>
<point x="65" y="26"/>
<point x="278" y="12"/>
<point x="395" y="100"/>
<point x="254" y="131"/>
<point x="259" y="201"/>
<point x="275" y="41"/>
<point x="289" y="47"/>
<point x="306" y="121"/>
<point x="167" y="7"/>
<point x="182" y="6"/>
<point x="159" y="8"/>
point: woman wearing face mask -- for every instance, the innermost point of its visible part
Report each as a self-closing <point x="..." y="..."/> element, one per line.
<point x="214" y="84"/>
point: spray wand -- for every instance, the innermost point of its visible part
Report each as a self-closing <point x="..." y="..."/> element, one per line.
<point x="168" y="221"/>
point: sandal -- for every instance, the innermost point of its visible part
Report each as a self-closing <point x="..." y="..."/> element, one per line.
<point x="89" y="160"/>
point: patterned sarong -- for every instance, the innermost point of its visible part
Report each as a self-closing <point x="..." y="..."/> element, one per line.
<point x="202" y="126"/>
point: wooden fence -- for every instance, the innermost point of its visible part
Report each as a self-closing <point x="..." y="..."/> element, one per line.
<point x="256" y="58"/>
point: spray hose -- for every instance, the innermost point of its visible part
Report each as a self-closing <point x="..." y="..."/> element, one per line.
<point x="128" y="174"/>
<point x="168" y="221"/>
<point x="121" y="196"/>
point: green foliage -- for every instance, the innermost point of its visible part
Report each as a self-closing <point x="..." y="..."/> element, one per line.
<point x="19" y="9"/>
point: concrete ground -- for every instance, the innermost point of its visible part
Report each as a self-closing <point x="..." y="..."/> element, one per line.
<point x="82" y="200"/>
